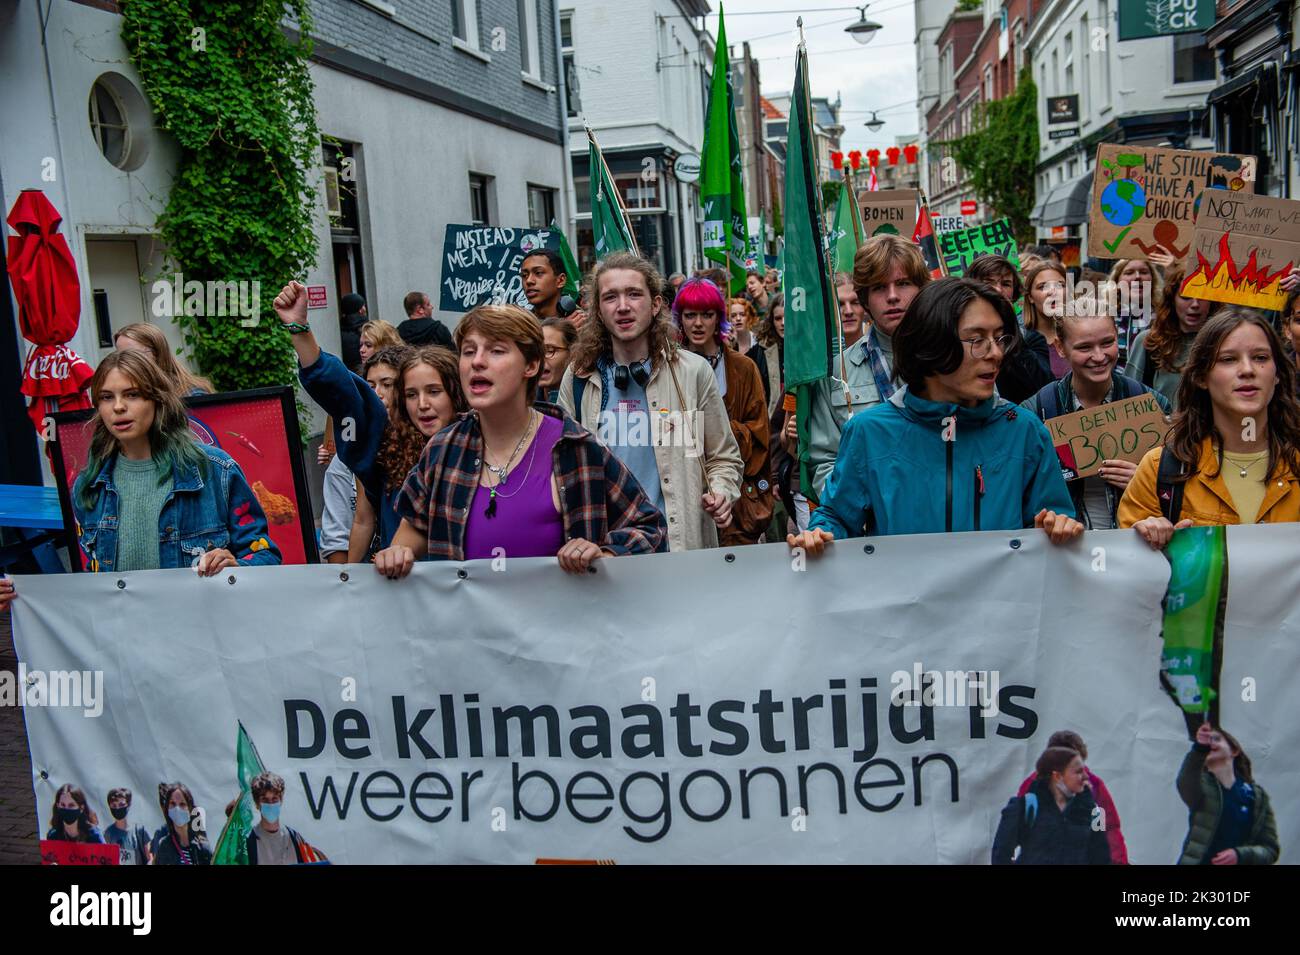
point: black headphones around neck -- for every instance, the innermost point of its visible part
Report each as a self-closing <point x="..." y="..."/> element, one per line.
<point x="625" y="374"/>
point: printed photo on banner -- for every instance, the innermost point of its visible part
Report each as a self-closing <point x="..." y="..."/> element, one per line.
<point x="1145" y="198"/>
<point x="258" y="428"/>
<point x="1244" y="245"/>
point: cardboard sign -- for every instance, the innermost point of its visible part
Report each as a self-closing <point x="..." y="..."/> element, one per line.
<point x="58" y="852"/>
<point x="480" y="265"/>
<point x="258" y="428"/>
<point x="1144" y="197"/>
<point x="317" y="296"/>
<point x="889" y="212"/>
<point x="948" y="223"/>
<point x="1244" y="246"/>
<point x="1124" y="429"/>
<point x="960" y="248"/>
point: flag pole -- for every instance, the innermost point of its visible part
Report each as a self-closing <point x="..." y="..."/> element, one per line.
<point x="618" y="197"/>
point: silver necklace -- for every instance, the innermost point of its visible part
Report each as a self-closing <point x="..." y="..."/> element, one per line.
<point x="504" y="469"/>
<point x="1242" y="469"/>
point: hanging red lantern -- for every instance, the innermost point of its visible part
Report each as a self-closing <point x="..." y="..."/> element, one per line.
<point x="837" y="160"/>
<point x="855" y="158"/>
<point x="910" y="153"/>
<point x="873" y="157"/>
<point x="893" y="152"/>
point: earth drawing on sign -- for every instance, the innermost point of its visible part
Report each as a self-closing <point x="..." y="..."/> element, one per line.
<point x="1123" y="202"/>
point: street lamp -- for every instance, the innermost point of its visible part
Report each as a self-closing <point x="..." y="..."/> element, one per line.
<point x="864" y="29"/>
<point x="874" y="123"/>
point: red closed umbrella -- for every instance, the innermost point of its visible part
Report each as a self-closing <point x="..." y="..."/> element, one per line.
<point x="44" y="279"/>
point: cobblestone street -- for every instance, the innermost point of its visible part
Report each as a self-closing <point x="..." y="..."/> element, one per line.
<point x="17" y="811"/>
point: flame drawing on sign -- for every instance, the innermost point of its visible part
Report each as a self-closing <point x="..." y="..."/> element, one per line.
<point x="1223" y="281"/>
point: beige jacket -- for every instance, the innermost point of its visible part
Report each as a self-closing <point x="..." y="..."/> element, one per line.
<point x="687" y="436"/>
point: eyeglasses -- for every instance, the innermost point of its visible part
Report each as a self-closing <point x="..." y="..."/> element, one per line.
<point x="552" y="350"/>
<point x="979" y="347"/>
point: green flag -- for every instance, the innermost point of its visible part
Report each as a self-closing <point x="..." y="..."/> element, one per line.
<point x="809" y="317"/>
<point x="574" y="281"/>
<point x="232" y="844"/>
<point x="1191" y="619"/>
<point x="846" y="230"/>
<point x="612" y="232"/>
<point x="722" y="185"/>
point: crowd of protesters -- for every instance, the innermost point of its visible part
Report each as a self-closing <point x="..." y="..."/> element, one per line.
<point x="638" y="416"/>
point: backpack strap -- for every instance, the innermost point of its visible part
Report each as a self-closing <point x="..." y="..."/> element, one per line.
<point x="1148" y="368"/>
<point x="579" y="387"/>
<point x="1169" y="489"/>
<point x="1028" y="816"/>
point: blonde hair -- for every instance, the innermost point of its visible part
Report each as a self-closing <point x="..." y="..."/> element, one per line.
<point x="381" y="333"/>
<point x="152" y="338"/>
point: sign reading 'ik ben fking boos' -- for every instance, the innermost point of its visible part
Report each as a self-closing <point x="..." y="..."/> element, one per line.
<point x="1144" y="197"/>
<point x="1244" y="245"/>
<point x="1125" y="429"/>
<point x="1139" y="19"/>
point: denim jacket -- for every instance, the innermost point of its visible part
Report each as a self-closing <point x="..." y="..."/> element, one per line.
<point x="200" y="514"/>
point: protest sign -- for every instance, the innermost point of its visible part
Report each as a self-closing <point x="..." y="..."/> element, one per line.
<point x="477" y="726"/>
<point x="1244" y="245"/>
<point x="948" y="223"/>
<point x="888" y="212"/>
<point x="961" y="247"/>
<point x="1144" y="197"/>
<point x="480" y="264"/>
<point x="258" y="428"/>
<point x="58" y="852"/>
<point x="1125" y="429"/>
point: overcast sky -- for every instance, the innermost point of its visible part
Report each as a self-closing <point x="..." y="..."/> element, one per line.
<point x="880" y="75"/>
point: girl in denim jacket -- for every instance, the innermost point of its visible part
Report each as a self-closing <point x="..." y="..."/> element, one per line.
<point x="150" y="496"/>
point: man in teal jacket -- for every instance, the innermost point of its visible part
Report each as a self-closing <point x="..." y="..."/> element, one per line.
<point x="945" y="453"/>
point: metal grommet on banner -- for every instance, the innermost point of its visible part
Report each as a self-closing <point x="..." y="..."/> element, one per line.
<point x="44" y="774"/>
<point x="343" y="576"/>
<point x="591" y="569"/>
<point x="121" y="585"/>
<point x="730" y="558"/>
<point x="462" y="573"/>
<point x="231" y="580"/>
<point x="869" y="549"/>
<point x="1015" y="543"/>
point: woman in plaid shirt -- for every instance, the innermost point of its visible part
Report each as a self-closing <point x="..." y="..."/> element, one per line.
<point x="513" y="477"/>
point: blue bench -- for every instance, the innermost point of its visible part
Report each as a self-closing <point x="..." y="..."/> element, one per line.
<point x="34" y="513"/>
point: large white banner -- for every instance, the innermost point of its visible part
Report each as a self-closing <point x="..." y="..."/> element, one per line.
<point x="715" y="706"/>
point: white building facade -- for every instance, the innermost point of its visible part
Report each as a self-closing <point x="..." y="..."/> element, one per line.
<point x="1150" y="91"/>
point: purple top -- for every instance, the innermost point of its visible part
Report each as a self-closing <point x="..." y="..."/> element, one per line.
<point x="526" y="523"/>
<point x="1060" y="366"/>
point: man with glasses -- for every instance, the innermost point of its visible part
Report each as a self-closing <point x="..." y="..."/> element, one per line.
<point x="945" y="453"/>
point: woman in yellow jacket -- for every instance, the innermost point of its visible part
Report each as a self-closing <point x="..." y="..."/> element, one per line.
<point x="1233" y="453"/>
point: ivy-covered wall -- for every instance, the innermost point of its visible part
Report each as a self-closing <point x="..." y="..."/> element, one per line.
<point x="1000" y="157"/>
<point x="236" y="94"/>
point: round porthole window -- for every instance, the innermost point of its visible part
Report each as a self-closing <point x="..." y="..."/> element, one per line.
<point x="119" y="121"/>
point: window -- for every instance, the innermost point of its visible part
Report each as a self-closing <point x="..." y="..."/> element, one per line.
<point x="571" y="89"/>
<point x="464" y="22"/>
<point x="343" y="184"/>
<point x="1020" y="41"/>
<point x="530" y="54"/>
<point x="988" y="83"/>
<point x="637" y="192"/>
<point x="1085" y="82"/>
<point x="479" y="211"/>
<point x="1056" y="73"/>
<point x="541" y="206"/>
<point x="120" y="121"/>
<point x="1193" y="60"/>
<point x="108" y="124"/>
